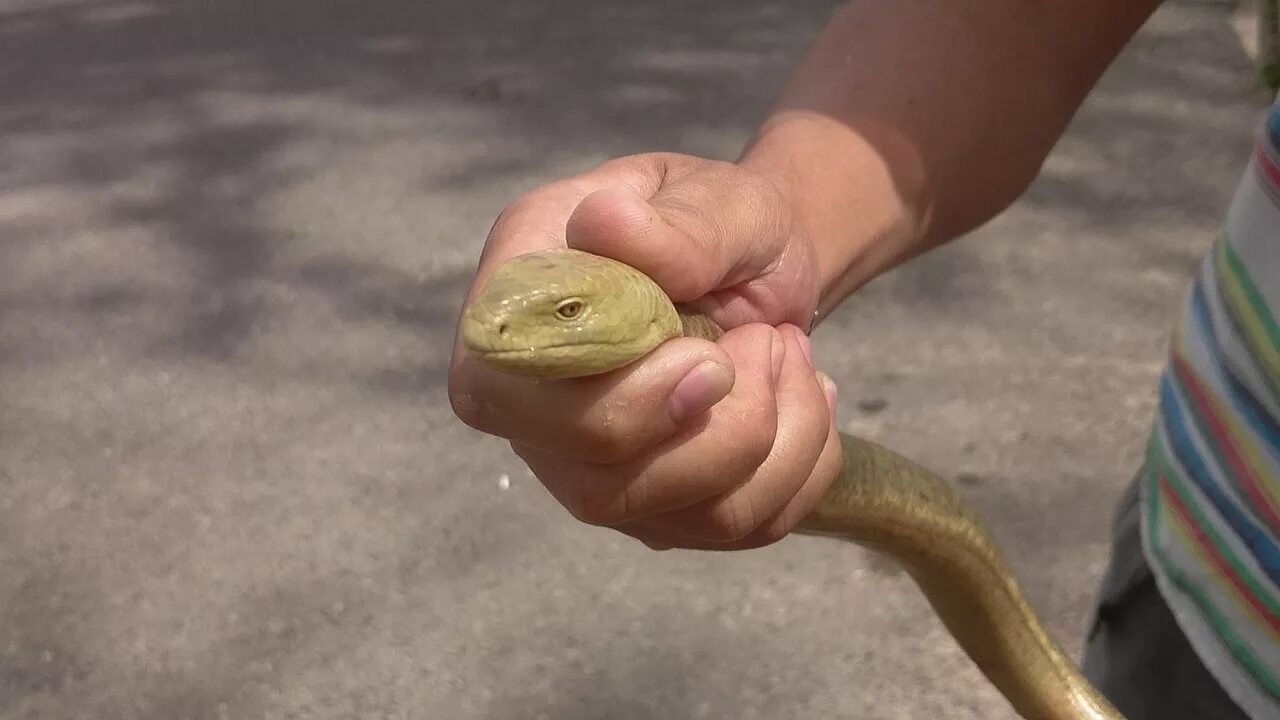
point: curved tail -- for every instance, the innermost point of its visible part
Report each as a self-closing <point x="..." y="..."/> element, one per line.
<point x="888" y="503"/>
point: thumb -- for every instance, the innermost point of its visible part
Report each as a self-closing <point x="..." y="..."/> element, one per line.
<point x="708" y="233"/>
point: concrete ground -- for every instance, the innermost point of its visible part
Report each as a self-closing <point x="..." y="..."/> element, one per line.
<point x="233" y="239"/>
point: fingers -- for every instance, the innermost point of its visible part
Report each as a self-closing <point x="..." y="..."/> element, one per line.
<point x="737" y="480"/>
<point x="658" y="535"/>
<point x="721" y="445"/>
<point x="790" y="480"/>
<point x="710" y="232"/>
<point x="537" y="220"/>
<point x="600" y="419"/>
<point x="642" y="209"/>
<point x="702" y="229"/>
<point x="534" y="222"/>
<point x="721" y="449"/>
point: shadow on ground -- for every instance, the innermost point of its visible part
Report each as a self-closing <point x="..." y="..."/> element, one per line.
<point x="235" y="235"/>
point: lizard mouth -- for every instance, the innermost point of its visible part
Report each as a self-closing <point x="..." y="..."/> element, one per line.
<point x="562" y="360"/>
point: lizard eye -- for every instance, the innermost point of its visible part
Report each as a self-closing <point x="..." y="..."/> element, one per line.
<point x="569" y="309"/>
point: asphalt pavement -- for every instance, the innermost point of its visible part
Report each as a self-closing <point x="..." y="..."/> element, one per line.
<point x="233" y="240"/>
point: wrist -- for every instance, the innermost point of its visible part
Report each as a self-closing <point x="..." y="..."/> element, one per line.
<point x="857" y="195"/>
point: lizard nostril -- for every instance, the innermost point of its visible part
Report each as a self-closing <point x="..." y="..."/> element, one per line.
<point x="502" y="329"/>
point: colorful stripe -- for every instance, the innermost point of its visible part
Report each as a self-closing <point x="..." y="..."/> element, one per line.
<point x="1201" y="538"/>
<point x="1248" y="309"/>
<point x="1211" y="493"/>
<point x="1250" y="407"/>
<point x="1273" y="129"/>
<point x="1203" y="600"/>
<point x="1268" y="156"/>
<point x="1230" y="444"/>
<point x="1265" y="552"/>
<point x="1268" y="173"/>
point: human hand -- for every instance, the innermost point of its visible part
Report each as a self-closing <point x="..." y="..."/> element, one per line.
<point x="706" y="445"/>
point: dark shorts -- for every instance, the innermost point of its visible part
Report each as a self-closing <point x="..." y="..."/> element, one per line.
<point x="1136" y="654"/>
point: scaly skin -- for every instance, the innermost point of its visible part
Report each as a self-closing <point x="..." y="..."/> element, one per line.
<point x="880" y="500"/>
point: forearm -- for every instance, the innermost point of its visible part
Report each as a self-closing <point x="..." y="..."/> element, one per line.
<point x="912" y="122"/>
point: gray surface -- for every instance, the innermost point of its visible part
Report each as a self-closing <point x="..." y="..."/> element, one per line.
<point x="234" y="236"/>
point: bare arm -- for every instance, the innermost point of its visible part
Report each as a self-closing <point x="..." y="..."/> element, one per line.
<point x="907" y="124"/>
<point x="912" y="122"/>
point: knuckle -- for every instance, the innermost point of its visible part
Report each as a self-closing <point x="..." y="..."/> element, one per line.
<point x="537" y="196"/>
<point x="759" y="430"/>
<point x="465" y="404"/>
<point x="538" y="200"/>
<point x="523" y="205"/>
<point x="759" y="189"/>
<point x="593" y="506"/>
<point x="812" y="423"/>
<point x="586" y="496"/>
<point x="772" y="531"/>
<point x="647" y="165"/>
<point x="593" y="514"/>
<point x="614" y="443"/>
<point x="767" y="205"/>
<point x="731" y="521"/>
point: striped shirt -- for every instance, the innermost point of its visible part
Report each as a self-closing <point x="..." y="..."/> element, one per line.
<point x="1211" y="482"/>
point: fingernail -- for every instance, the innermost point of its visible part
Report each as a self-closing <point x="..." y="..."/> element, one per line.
<point x="778" y="353"/>
<point x="806" y="345"/>
<point x="705" y="385"/>
<point x="833" y="393"/>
